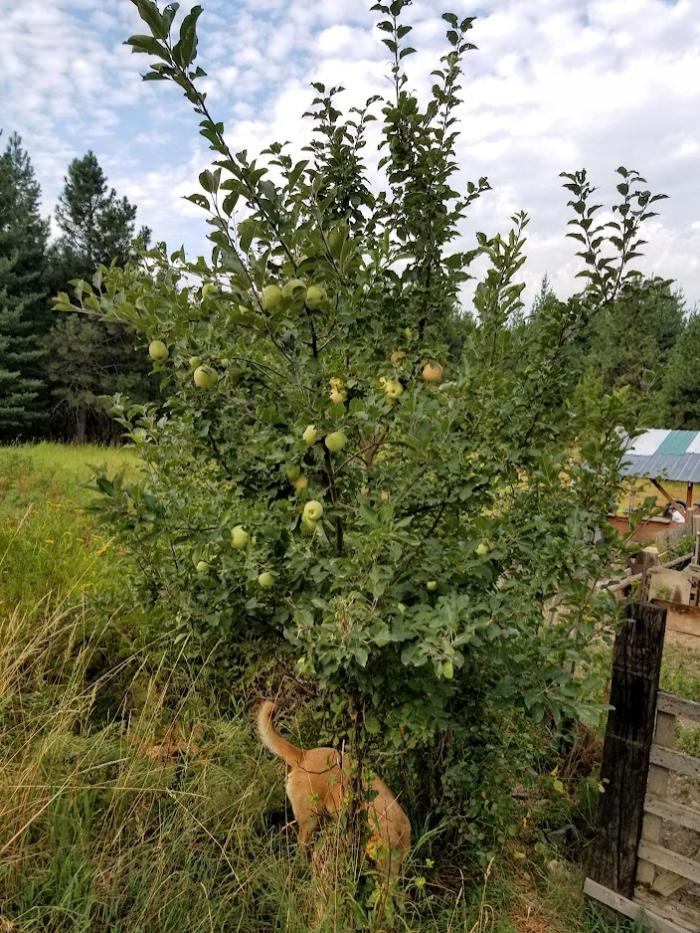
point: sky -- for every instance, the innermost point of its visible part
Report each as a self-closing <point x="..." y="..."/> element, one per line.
<point x="555" y="85"/>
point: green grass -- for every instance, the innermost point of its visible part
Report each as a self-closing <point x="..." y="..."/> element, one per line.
<point x="48" y="545"/>
<point x="129" y="801"/>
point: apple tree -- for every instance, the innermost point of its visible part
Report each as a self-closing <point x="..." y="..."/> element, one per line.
<point x="351" y="469"/>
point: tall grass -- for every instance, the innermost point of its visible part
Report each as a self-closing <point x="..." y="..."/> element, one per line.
<point x="130" y="801"/>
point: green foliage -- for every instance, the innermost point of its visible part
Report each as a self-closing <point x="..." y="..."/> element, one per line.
<point x="23" y="238"/>
<point x="471" y="462"/>
<point x="87" y="358"/>
<point x="133" y="800"/>
<point x="680" y="394"/>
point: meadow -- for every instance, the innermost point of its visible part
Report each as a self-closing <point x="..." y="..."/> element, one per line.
<point x="133" y="797"/>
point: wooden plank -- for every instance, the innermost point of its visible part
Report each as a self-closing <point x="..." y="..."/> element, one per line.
<point x="678" y="706"/>
<point x="628" y="738"/>
<point x="675" y="761"/>
<point x="628" y="908"/>
<point x="667" y="883"/>
<point x="686" y="917"/>
<point x="673" y="812"/>
<point x="665" y="732"/>
<point x="671" y="861"/>
<point x="625" y="582"/>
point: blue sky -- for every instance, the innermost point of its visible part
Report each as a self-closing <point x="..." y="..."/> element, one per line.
<point x="555" y="85"/>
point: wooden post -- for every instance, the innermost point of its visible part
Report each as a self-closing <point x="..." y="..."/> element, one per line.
<point x="688" y="500"/>
<point x="629" y="734"/>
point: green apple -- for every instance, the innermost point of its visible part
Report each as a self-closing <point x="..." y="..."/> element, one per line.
<point x="393" y="389"/>
<point x="266" y="580"/>
<point x="482" y="549"/>
<point x="336" y="441"/>
<point x="294" y="293"/>
<point x="310" y="434"/>
<point x="448" y="670"/>
<point x="292" y="472"/>
<point x="205" y="377"/>
<point x="157" y="351"/>
<point x="313" y="510"/>
<point x="202" y="567"/>
<point x="195" y="362"/>
<point x="316" y="297"/>
<point x="239" y="537"/>
<point x="301" y="482"/>
<point x="431" y="585"/>
<point x="308" y="526"/>
<point x="272" y="298"/>
<point x="209" y="289"/>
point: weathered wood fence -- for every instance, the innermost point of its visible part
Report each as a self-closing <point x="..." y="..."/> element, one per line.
<point x="633" y="871"/>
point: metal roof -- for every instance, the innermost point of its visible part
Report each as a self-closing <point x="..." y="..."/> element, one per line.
<point x="661" y="454"/>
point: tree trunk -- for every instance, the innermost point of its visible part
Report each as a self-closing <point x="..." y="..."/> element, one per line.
<point x="80" y="426"/>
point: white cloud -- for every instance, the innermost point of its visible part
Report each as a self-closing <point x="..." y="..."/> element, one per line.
<point x="554" y="86"/>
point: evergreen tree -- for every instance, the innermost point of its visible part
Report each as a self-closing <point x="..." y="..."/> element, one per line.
<point x="24" y="315"/>
<point x="630" y="342"/>
<point x="90" y="359"/>
<point x="679" y="401"/>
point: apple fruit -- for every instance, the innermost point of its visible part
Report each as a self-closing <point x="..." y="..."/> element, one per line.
<point x="393" y="389"/>
<point x="335" y="383"/>
<point x="482" y="549"/>
<point x="209" y="289"/>
<point x="432" y="373"/>
<point x="202" y="567"/>
<point x="338" y="396"/>
<point x="316" y="297"/>
<point x="239" y="537"/>
<point x="397" y="356"/>
<point x="205" y="377"/>
<point x="157" y="351"/>
<point x="195" y="362"/>
<point x="448" y="670"/>
<point x="336" y="441"/>
<point x="310" y="434"/>
<point x="307" y="526"/>
<point x="431" y="585"/>
<point x="301" y="482"/>
<point x="292" y="472"/>
<point x="266" y="580"/>
<point x="272" y="298"/>
<point x="313" y="510"/>
<point x="294" y="292"/>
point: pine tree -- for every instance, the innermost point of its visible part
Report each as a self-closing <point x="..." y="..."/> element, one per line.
<point x="97" y="226"/>
<point x="680" y="395"/>
<point x="23" y="307"/>
<point x="90" y="359"/>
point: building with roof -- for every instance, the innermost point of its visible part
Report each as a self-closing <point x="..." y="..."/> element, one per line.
<point x="660" y="455"/>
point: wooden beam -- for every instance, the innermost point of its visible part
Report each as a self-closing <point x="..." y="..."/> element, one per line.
<point x="678" y="706"/>
<point x="671" y="861"/>
<point x="628" y="739"/>
<point x="673" y="812"/>
<point x="628" y="908"/>
<point x="664" y="493"/>
<point x="675" y="761"/>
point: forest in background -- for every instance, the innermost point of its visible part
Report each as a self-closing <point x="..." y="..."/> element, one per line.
<point x="57" y="371"/>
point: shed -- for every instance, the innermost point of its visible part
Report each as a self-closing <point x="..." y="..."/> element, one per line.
<point x="660" y="454"/>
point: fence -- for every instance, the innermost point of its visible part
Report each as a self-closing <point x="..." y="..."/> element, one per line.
<point x="634" y="871"/>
